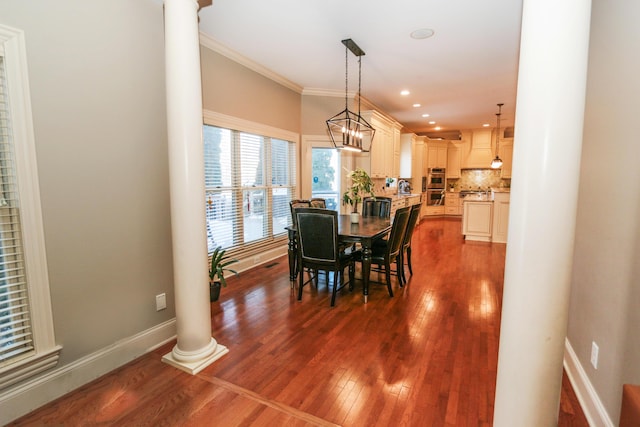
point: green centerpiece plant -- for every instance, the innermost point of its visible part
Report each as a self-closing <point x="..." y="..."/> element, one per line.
<point x="361" y="187"/>
<point x="219" y="264"/>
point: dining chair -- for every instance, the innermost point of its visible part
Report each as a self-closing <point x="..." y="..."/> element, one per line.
<point x="317" y="202"/>
<point x="293" y="205"/>
<point x="383" y="256"/>
<point x="408" y="234"/>
<point x="319" y="248"/>
<point x="379" y="206"/>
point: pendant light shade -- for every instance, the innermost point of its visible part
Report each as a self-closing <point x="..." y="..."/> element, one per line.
<point x="497" y="162"/>
<point x="348" y="130"/>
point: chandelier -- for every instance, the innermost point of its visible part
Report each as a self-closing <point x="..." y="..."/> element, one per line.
<point x="348" y="130"/>
<point x="497" y="162"/>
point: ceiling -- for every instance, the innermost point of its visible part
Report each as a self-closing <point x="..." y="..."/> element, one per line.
<point x="458" y="75"/>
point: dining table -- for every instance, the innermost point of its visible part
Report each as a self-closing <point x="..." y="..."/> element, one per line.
<point x="364" y="232"/>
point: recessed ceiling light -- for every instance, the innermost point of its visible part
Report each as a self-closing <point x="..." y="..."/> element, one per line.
<point x="422" y="33"/>
<point x="425" y="115"/>
<point x="437" y="128"/>
<point x="417" y="105"/>
<point x="432" y="122"/>
<point x="405" y="92"/>
<point x="485" y="125"/>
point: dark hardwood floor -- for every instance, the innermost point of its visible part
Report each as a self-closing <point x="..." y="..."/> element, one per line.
<point x="426" y="357"/>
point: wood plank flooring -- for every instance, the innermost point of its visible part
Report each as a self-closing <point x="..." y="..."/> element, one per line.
<point x="426" y="357"/>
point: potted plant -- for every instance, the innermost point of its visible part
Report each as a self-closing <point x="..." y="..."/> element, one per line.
<point x="361" y="186"/>
<point x="219" y="264"/>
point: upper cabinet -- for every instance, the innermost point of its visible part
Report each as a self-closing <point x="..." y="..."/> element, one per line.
<point x="437" y="154"/>
<point x="384" y="159"/>
<point x="506" y="154"/>
<point x="453" y="161"/>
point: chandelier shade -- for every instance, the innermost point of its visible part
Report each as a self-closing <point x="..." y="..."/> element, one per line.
<point x="497" y="162"/>
<point x="349" y="130"/>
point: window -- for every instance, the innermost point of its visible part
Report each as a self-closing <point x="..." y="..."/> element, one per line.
<point x="325" y="176"/>
<point x="250" y="179"/>
<point x="27" y="344"/>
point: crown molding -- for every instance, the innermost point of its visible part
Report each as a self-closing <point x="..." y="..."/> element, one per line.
<point x="210" y="43"/>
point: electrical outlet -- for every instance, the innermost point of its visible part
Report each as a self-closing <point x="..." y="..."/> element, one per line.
<point x="594" y="354"/>
<point x="161" y="302"/>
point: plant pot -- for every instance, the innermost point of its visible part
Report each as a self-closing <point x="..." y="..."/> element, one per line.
<point x="355" y="217"/>
<point x="214" y="291"/>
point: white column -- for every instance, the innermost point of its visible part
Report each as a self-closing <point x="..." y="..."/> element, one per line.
<point x="544" y="191"/>
<point x="195" y="349"/>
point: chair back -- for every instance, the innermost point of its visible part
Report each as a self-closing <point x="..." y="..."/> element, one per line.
<point x="380" y="207"/>
<point x="411" y="225"/>
<point x="317" y="237"/>
<point x="398" y="229"/>
<point x="318" y="203"/>
<point x="297" y="203"/>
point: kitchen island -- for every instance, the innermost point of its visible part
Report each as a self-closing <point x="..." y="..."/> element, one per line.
<point x="485" y="216"/>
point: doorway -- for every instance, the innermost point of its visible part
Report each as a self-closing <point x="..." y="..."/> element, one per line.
<point x="325" y="176"/>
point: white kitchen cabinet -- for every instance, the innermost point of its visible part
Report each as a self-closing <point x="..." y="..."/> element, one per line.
<point x="480" y="153"/>
<point x="452" y="204"/>
<point x="453" y="161"/>
<point x="506" y="154"/>
<point x="437" y="157"/>
<point x="500" y="220"/>
<point x="407" y="144"/>
<point x="477" y="220"/>
<point x="381" y="161"/>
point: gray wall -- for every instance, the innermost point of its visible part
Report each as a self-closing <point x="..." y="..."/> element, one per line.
<point x="96" y="71"/>
<point x="605" y="298"/>
<point x="233" y="89"/>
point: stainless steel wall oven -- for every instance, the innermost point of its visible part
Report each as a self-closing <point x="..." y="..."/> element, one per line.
<point x="436" y="178"/>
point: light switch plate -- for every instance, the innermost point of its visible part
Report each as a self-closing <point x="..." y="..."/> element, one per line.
<point x="161" y="302"/>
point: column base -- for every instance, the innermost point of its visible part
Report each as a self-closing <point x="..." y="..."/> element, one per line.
<point x="194" y="366"/>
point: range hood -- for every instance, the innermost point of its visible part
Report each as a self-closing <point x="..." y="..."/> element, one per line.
<point x="480" y="153"/>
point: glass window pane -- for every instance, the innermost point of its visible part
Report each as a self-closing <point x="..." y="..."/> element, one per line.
<point x="325" y="178"/>
<point x="280" y="162"/>
<point x="281" y="213"/>
<point x="251" y="159"/>
<point x="220" y="219"/>
<point x="253" y="215"/>
<point x="217" y="157"/>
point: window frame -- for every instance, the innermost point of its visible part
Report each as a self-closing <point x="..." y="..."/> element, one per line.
<point x="46" y="353"/>
<point x="273" y="239"/>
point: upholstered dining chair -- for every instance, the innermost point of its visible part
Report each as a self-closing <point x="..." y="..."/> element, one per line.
<point x="408" y="234"/>
<point x="380" y="207"/>
<point x="319" y="248"/>
<point x="391" y="251"/>
<point x="317" y="202"/>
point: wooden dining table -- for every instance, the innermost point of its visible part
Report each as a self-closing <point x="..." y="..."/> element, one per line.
<point x="365" y="232"/>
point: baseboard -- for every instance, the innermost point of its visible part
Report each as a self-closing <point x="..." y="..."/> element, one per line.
<point x="589" y="400"/>
<point x="28" y="396"/>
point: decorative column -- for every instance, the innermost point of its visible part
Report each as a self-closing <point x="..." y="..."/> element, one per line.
<point x="195" y="348"/>
<point x="544" y="191"/>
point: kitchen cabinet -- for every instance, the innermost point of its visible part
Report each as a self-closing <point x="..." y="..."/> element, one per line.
<point x="500" y="219"/>
<point x="403" y="201"/>
<point x="407" y="146"/>
<point x="506" y="154"/>
<point x="437" y="154"/>
<point x="453" y="161"/>
<point x="452" y="204"/>
<point x="477" y="220"/>
<point x="384" y="158"/>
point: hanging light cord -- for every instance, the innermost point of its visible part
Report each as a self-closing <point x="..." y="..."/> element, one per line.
<point x="498" y="114"/>
<point x="346" y="78"/>
<point x="359" y="82"/>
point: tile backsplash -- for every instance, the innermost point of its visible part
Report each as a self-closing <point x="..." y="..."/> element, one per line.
<point x="474" y="179"/>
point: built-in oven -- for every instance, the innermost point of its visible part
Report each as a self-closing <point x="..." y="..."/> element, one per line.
<point x="436" y="178"/>
<point x="435" y="197"/>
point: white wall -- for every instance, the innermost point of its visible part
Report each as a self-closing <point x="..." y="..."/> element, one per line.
<point x="605" y="298"/>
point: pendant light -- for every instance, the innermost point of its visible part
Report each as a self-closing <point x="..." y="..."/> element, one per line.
<point x="348" y="130"/>
<point x="497" y="162"/>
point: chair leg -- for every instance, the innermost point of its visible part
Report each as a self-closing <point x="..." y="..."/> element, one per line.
<point x="400" y="270"/>
<point x="387" y="273"/>
<point x="352" y="274"/>
<point x="409" y="260"/>
<point x="300" y="283"/>
<point x="336" y="278"/>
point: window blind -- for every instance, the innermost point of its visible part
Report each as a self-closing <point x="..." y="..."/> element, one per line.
<point x="15" y="325"/>
<point x="249" y="181"/>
